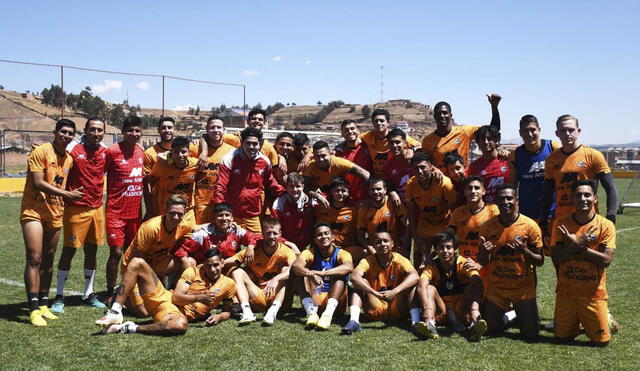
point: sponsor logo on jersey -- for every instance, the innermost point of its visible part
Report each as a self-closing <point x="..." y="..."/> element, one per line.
<point x="457" y="141"/>
<point x="135" y="172"/>
<point x="580" y="164"/>
<point x="81" y="156"/>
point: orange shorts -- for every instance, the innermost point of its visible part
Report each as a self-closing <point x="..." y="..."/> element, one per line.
<point x="82" y="225"/>
<point x="260" y="303"/>
<point x="385" y="311"/>
<point x="505" y="298"/>
<point x="592" y="314"/>
<point x="455" y="302"/>
<point x="321" y="299"/>
<point x="158" y="303"/>
<point x="30" y="215"/>
<point x="252" y="224"/>
<point x="203" y="213"/>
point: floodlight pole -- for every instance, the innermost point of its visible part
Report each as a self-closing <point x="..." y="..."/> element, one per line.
<point x="162" y="95"/>
<point x="62" y="95"/>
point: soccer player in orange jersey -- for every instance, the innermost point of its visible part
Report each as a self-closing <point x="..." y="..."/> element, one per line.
<point x="583" y="244"/>
<point x="261" y="282"/>
<point x="447" y="137"/>
<point x="340" y="215"/>
<point x="457" y="172"/>
<point x="257" y="118"/>
<point x="48" y="166"/>
<point x="385" y="284"/>
<point x="321" y="277"/>
<point x="450" y="292"/>
<point x="510" y="250"/>
<point x="200" y="290"/>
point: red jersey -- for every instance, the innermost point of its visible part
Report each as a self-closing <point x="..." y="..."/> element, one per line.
<point x="493" y="171"/>
<point x="124" y="181"/>
<point x="360" y="156"/>
<point x="228" y="242"/>
<point x="241" y="181"/>
<point x="397" y="172"/>
<point x="296" y="219"/>
<point x="87" y="172"/>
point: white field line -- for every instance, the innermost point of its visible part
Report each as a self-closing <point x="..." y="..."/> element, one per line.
<point x="21" y="284"/>
<point x="627" y="229"/>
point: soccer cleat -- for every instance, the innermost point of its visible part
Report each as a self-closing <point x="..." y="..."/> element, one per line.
<point x="268" y="319"/>
<point x="46" y="313"/>
<point x="312" y="321"/>
<point x="110" y="318"/>
<point x="614" y="326"/>
<point x="477" y="330"/>
<point x="245" y="320"/>
<point x="93" y="301"/>
<point x="427" y="330"/>
<point x="455" y="322"/>
<point x="58" y="305"/>
<point x="35" y="317"/>
<point x="324" y="323"/>
<point x="351" y="327"/>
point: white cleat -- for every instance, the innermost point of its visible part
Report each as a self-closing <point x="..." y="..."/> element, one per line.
<point x="110" y="318"/>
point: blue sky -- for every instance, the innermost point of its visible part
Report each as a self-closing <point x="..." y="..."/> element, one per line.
<point x="546" y="58"/>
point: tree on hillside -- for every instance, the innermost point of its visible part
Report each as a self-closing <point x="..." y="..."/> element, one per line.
<point x="52" y="96"/>
<point x="197" y="111"/>
<point x="366" y="111"/>
<point x="352" y="109"/>
<point x="319" y="103"/>
<point x="222" y="108"/>
<point x="257" y="106"/>
<point x="92" y="105"/>
<point x="293" y="104"/>
<point x="1" y="87"/>
<point x="116" y="115"/>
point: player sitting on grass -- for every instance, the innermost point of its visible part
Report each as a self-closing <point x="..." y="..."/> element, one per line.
<point x="449" y="291"/>
<point x="386" y="285"/>
<point x="261" y="282"/>
<point x="321" y="274"/>
<point x="199" y="291"/>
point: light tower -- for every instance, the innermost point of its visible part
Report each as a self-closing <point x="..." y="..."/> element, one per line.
<point x="381" y="84"/>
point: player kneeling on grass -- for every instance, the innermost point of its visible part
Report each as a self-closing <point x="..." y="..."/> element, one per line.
<point x="583" y="244"/>
<point x="449" y="292"/>
<point x="261" y="281"/>
<point x="199" y="290"/>
<point x="385" y="284"/>
<point x="321" y="272"/>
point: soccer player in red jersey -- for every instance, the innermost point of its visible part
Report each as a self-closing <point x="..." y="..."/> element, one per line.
<point x="83" y="219"/>
<point x="124" y="194"/>
<point x="493" y="169"/>
<point x="397" y="170"/>
<point x="294" y="210"/>
<point x="354" y="150"/>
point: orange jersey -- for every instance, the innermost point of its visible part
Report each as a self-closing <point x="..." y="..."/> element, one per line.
<point x="264" y="266"/>
<point x="224" y="288"/>
<point x="321" y="178"/>
<point x="431" y="203"/>
<point x="459" y="138"/>
<point x="468" y="225"/>
<point x="342" y="222"/>
<point x="379" y="150"/>
<point x="564" y="169"/>
<point x="38" y="205"/>
<point x="506" y="269"/>
<point x="267" y="148"/>
<point x="579" y="278"/>
<point x="207" y="178"/>
<point x="169" y="180"/>
<point x="372" y="219"/>
<point x="385" y="278"/>
<point x="151" y="155"/>
<point x="447" y="285"/>
<point x="155" y="242"/>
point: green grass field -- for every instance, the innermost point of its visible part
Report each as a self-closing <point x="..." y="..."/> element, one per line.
<point x="69" y="343"/>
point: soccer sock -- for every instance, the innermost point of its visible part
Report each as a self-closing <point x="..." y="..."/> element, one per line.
<point x="89" y="275"/>
<point x="32" y="299"/>
<point x="62" y="279"/>
<point x="308" y="305"/>
<point x="110" y="290"/>
<point x="508" y="317"/>
<point x="43" y="299"/>
<point x="132" y="328"/>
<point x="415" y="315"/>
<point x="116" y="307"/>
<point x="332" y="304"/>
<point x="273" y="309"/>
<point x="246" y="310"/>
<point x="354" y="311"/>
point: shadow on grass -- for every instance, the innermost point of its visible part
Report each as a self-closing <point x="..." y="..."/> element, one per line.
<point x="15" y="312"/>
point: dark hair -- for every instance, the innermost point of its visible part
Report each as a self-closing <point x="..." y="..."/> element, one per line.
<point x="337" y="181"/>
<point x="179" y="142"/>
<point x="270" y="221"/>
<point x="482" y="132"/>
<point x="380" y="111"/>
<point x="214" y="117"/>
<point x="585" y="182"/>
<point x="445" y="236"/>
<point x="507" y="186"/>
<point x="373" y="180"/>
<point x="418" y="157"/>
<point x="566" y="118"/>
<point x="222" y="206"/>
<point x="321" y="224"/>
<point x="256" y="111"/>
<point x="251" y="132"/>
<point x="395" y="132"/>
<point x="94" y="118"/>
<point x="452" y="157"/>
<point x="130" y="121"/>
<point x="176" y="200"/>
<point x="293" y="178"/>
<point x="300" y="139"/>
<point x="284" y="134"/>
<point x="65" y="122"/>
<point x="346" y="122"/>
<point x="165" y="118"/>
<point x="527" y="119"/>
<point x="442" y="103"/>
<point x="381" y="229"/>
<point x="211" y="253"/>
<point x="472" y="178"/>
<point x="320" y="145"/>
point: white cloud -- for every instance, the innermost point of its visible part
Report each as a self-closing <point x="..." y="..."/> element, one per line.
<point x="307" y="60"/>
<point x="277" y="58"/>
<point x="108" y="86"/>
<point x="184" y="107"/>
<point x="250" y="72"/>
<point x="143" y="85"/>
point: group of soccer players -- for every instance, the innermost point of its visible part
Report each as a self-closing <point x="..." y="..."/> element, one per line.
<point x="383" y="224"/>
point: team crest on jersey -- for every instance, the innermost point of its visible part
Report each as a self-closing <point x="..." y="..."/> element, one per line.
<point x="449" y="285"/>
<point x="457" y="141"/>
<point x="392" y="277"/>
<point x="139" y="160"/>
<point x="518" y="238"/>
<point x="580" y="164"/>
<point x="216" y="291"/>
<point x="261" y="171"/>
<point x="104" y="156"/>
<point x="503" y="169"/>
<point x="347" y="217"/>
<point x="388" y="213"/>
<point x="233" y="243"/>
<point x="81" y="157"/>
<point x="483" y="172"/>
<point x="192" y="176"/>
<point x="66" y="171"/>
<point x="123" y="161"/>
<point x="236" y="171"/>
<point x="73" y="237"/>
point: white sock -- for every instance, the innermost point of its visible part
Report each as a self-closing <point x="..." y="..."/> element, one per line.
<point x="116" y="307"/>
<point x="432" y="321"/>
<point x="509" y="316"/>
<point x="415" y="315"/>
<point x="331" y="307"/>
<point x="132" y="328"/>
<point x="354" y="312"/>
<point x="62" y="279"/>
<point x="246" y="310"/>
<point x="89" y="275"/>
<point x="308" y="305"/>
<point x="273" y="309"/>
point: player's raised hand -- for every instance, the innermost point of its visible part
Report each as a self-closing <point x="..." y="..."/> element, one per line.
<point x="494" y="99"/>
<point x="588" y="236"/>
<point x="396" y="202"/>
<point x="437" y="173"/>
<point x="472" y="265"/>
<point x="76" y="194"/>
<point x="486" y="245"/>
<point x="503" y="155"/>
<point x="519" y="245"/>
<point x="324" y="203"/>
<point x="568" y="237"/>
